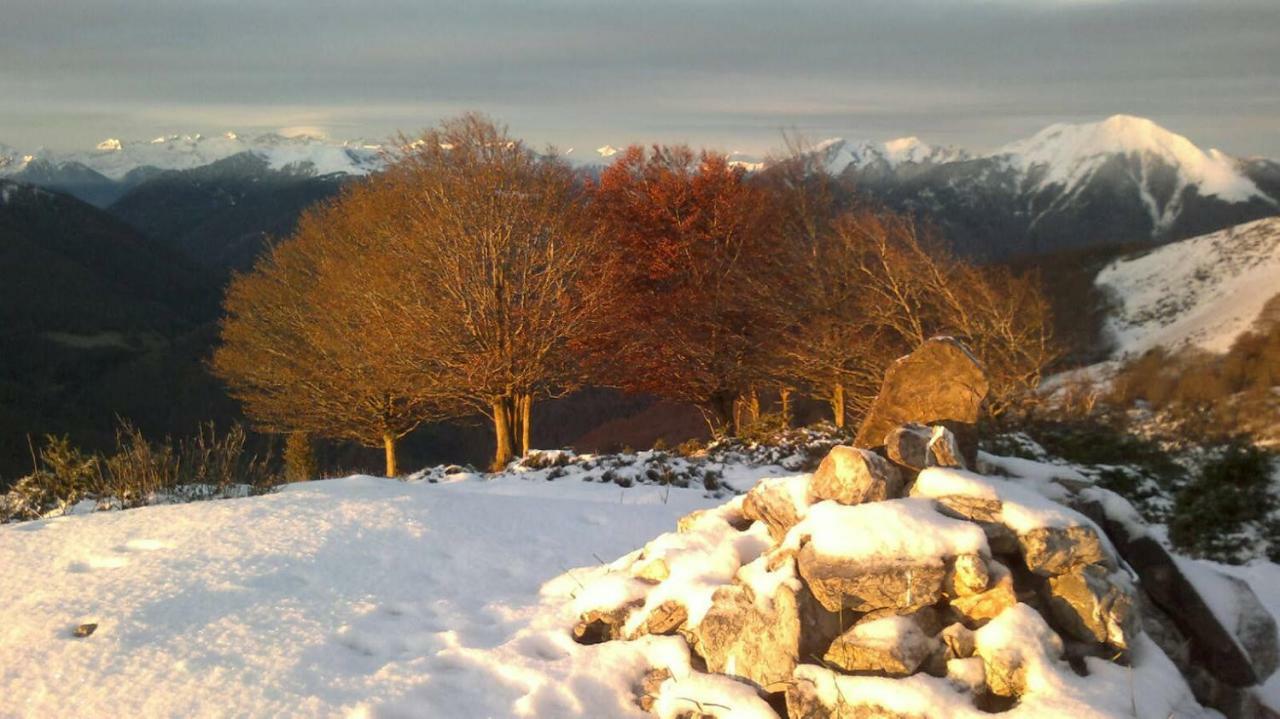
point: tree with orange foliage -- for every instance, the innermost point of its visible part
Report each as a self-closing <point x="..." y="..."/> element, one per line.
<point x="683" y="308"/>
<point x="305" y="343"/>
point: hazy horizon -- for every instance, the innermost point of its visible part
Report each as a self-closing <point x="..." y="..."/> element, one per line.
<point x="971" y="73"/>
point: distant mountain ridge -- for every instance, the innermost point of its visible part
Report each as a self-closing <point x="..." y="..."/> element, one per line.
<point x="1069" y="187"/>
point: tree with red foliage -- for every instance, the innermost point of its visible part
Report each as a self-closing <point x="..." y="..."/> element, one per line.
<point x="684" y="312"/>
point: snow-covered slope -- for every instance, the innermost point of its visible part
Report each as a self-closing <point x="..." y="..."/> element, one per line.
<point x="1203" y="291"/>
<point x="326" y="599"/>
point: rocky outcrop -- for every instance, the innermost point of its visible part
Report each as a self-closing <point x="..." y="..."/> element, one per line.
<point x="983" y="592"/>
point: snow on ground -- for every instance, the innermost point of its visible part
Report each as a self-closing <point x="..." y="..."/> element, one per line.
<point x="350" y="597"/>
<point x="1204" y="291"/>
<point x="368" y="597"/>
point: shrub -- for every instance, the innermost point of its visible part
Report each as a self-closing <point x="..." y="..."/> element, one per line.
<point x="139" y="472"/>
<point x="1224" y="512"/>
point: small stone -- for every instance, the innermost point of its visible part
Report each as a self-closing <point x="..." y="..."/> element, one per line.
<point x="908" y="445"/>
<point x="650" y="687"/>
<point x="602" y="625"/>
<point x="943" y="450"/>
<point x="685" y="524"/>
<point x="977" y="609"/>
<point x="84" y="630"/>
<point x="852" y="476"/>
<point x="770" y="502"/>
<point x="654" y="571"/>
<point x="667" y="618"/>
<point x="958" y="640"/>
<point x="968" y="575"/>
<point x="893" y="645"/>
<point x="968" y="675"/>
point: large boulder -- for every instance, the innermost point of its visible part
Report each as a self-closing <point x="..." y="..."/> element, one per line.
<point x="849" y="475"/>
<point x="1238" y="643"/>
<point x="941" y="382"/>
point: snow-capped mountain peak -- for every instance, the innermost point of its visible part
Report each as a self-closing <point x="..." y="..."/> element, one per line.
<point x="110" y="144"/>
<point x="607" y="151"/>
<point x="1069" y="154"/>
<point x="839" y="154"/>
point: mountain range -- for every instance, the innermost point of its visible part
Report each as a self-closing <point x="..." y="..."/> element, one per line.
<point x="1121" y="180"/>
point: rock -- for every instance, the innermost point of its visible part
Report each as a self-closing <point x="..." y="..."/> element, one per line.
<point x="685" y="523"/>
<point x="967" y="575"/>
<point x="1240" y="655"/>
<point x="650" y="687"/>
<point x="653" y="571"/>
<point x="1089" y="605"/>
<point x="974" y="509"/>
<point x="977" y="609"/>
<point x="1056" y="550"/>
<point x="957" y="639"/>
<point x="908" y="445"/>
<point x="894" y="645"/>
<point x="739" y="638"/>
<point x="986" y="513"/>
<point x="967" y="675"/>
<point x="805" y="700"/>
<point x="602" y="625"/>
<point x="852" y="476"/>
<point x="770" y="502"/>
<point x="941" y="381"/>
<point x="84" y="630"/>
<point x="843" y="585"/>
<point x="666" y="618"/>
<point x="943" y="449"/>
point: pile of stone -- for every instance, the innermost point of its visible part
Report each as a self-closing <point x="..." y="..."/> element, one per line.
<point x="894" y="582"/>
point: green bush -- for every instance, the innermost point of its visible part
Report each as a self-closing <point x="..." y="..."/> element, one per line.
<point x="1227" y="509"/>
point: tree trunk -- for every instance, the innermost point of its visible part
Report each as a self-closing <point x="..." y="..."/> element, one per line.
<point x="389" y="444"/>
<point x="503" y="434"/>
<point x="837" y="405"/>
<point x="784" y="400"/>
<point x="526" y="423"/>
<point x="720" y="412"/>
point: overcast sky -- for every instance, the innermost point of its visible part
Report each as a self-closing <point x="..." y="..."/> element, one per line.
<point x="729" y="74"/>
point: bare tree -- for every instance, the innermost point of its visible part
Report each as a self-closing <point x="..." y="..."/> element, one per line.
<point x="491" y="256"/>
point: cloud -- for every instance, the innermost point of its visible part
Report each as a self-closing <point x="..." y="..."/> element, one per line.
<point x="574" y="72"/>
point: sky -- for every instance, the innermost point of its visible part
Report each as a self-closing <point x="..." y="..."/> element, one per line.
<point x="730" y="75"/>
